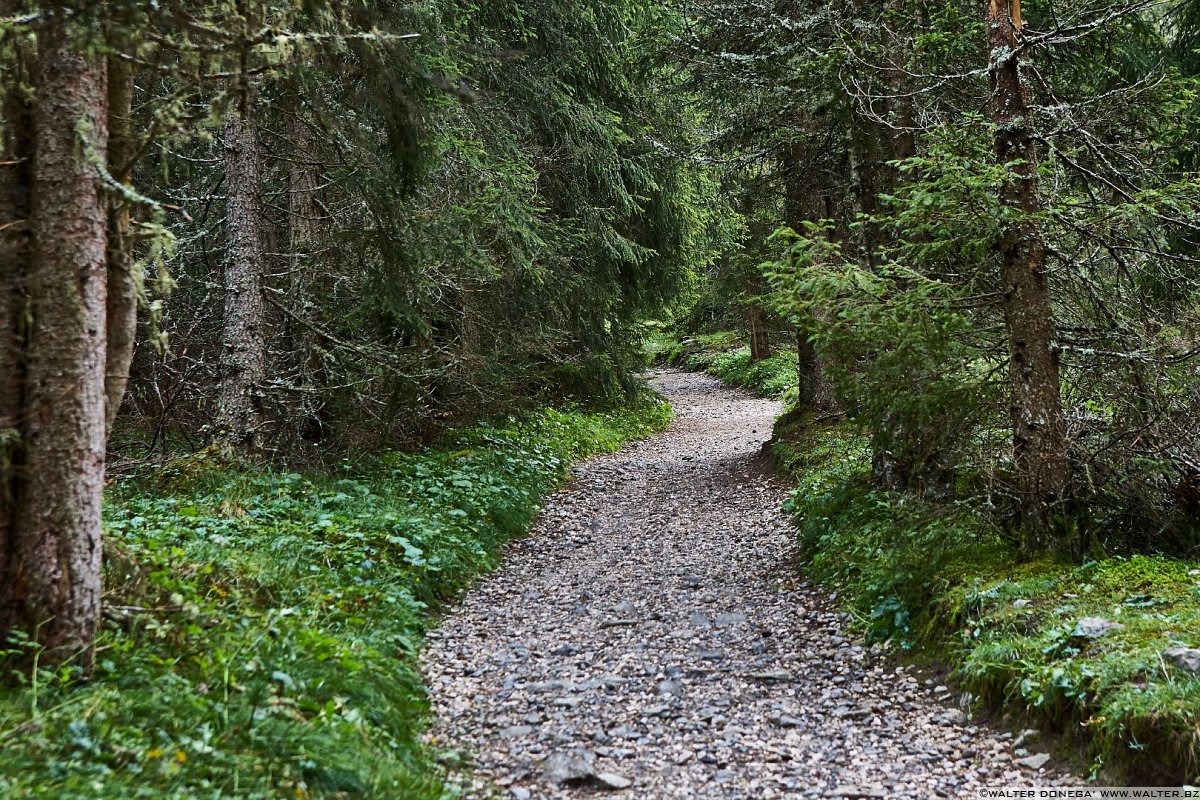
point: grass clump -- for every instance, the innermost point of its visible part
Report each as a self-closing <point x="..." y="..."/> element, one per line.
<point x="1025" y="648"/>
<point x="945" y="582"/>
<point x="261" y="628"/>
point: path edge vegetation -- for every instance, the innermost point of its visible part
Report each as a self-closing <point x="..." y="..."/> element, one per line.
<point x="944" y="586"/>
<point x="262" y="627"/>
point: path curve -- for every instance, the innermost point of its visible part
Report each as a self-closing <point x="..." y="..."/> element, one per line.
<point x="653" y="630"/>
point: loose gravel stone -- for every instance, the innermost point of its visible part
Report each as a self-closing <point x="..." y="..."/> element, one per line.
<point x="652" y="631"/>
<point x="1035" y="762"/>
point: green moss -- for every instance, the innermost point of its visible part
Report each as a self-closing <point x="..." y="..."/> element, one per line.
<point x="262" y="628"/>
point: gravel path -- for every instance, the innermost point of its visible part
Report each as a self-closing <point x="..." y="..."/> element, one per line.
<point x="652" y="638"/>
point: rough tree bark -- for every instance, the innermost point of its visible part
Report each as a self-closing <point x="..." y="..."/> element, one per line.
<point x="900" y="105"/>
<point x="305" y="214"/>
<point x="304" y="208"/>
<point x="862" y="161"/>
<point x="50" y="588"/>
<point x="1040" y="454"/>
<point x="243" y="342"/>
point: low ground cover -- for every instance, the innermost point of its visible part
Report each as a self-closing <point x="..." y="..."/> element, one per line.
<point x="725" y="355"/>
<point x="261" y="628"/>
<point x="1085" y="650"/>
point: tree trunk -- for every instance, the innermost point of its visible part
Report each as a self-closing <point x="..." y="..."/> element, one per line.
<point x="1039" y="429"/>
<point x="900" y="104"/>
<point x="804" y="203"/>
<point x="304" y="207"/>
<point x="305" y="215"/>
<point x="814" y="389"/>
<point x="861" y="160"/>
<point x="51" y="585"/>
<point x="894" y="463"/>
<point x="760" y="337"/>
<point x="122" y="282"/>
<point x="243" y="343"/>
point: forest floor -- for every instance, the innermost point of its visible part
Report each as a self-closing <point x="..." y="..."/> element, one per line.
<point x="653" y="633"/>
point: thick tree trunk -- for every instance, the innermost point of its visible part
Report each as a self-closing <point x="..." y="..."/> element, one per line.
<point x="1039" y="429"/>
<point x="122" y="283"/>
<point x="51" y="585"/>
<point x="243" y="343"/>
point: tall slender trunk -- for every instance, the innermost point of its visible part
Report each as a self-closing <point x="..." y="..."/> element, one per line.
<point x="760" y="344"/>
<point x="122" y="282"/>
<point x="895" y="446"/>
<point x="862" y="156"/>
<point x="804" y="202"/>
<point x="51" y="584"/>
<point x="243" y="342"/>
<point x="900" y="103"/>
<point x="1040" y="454"/>
<point x="760" y="337"/>
<point x="304" y="207"/>
<point x="305" y="215"/>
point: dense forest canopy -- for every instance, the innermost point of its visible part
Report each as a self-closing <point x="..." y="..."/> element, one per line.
<point x="988" y="250"/>
<point x="294" y="232"/>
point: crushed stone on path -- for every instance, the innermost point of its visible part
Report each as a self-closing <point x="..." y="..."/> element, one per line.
<point x="652" y="638"/>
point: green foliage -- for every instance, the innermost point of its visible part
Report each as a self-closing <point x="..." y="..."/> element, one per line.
<point x="902" y="353"/>
<point x="669" y="348"/>
<point x="1140" y="712"/>
<point x="468" y="207"/>
<point x="774" y="377"/>
<point x="896" y="556"/>
<point x="261" y="628"/>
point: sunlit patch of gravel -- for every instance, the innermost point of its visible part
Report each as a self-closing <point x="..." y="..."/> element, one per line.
<point x="652" y="638"/>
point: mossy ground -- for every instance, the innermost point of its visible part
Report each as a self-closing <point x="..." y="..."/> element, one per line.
<point x="945" y="582"/>
<point x="261" y="629"/>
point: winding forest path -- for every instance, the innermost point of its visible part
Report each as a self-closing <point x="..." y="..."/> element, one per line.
<point x="652" y="634"/>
